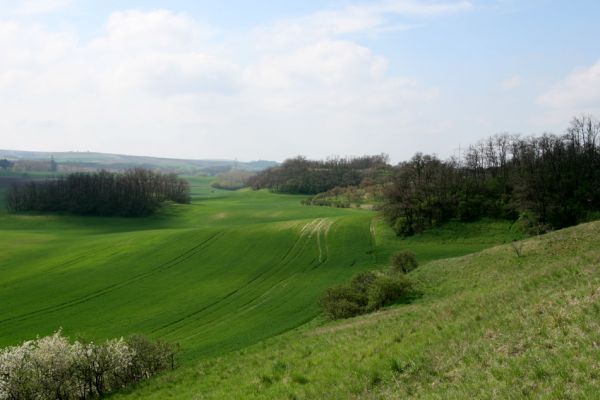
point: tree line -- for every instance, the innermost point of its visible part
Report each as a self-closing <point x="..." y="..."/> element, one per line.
<point x="302" y="176"/>
<point x="545" y="182"/>
<point x="136" y="192"/>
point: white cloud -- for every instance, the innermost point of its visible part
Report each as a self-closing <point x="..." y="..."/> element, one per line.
<point x="162" y="53"/>
<point x="324" y="63"/>
<point x="367" y="18"/>
<point x="512" y="83"/>
<point x="421" y="8"/>
<point x="29" y="54"/>
<point x="581" y="89"/>
<point x="158" y="82"/>
<point x="578" y="93"/>
<point x="174" y="74"/>
<point x="152" y="30"/>
<point x="32" y="7"/>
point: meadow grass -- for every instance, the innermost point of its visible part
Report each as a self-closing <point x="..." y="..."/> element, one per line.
<point x="494" y="324"/>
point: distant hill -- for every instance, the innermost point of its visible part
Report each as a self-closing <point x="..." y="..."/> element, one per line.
<point x="91" y="160"/>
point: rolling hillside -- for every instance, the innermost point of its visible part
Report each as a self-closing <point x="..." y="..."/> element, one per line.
<point x="229" y="270"/>
<point x="210" y="276"/>
<point x="489" y="325"/>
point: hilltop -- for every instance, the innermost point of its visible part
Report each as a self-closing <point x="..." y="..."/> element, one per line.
<point x="93" y="160"/>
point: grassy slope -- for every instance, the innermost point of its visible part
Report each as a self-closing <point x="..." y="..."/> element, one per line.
<point x="227" y="271"/>
<point x="205" y="275"/>
<point x="490" y="325"/>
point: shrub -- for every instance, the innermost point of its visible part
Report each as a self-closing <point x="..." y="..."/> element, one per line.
<point x="102" y="368"/>
<point x="361" y="282"/>
<point x="387" y="289"/>
<point x="342" y="302"/>
<point x="403" y="261"/>
<point x="403" y="227"/>
<point x="53" y="368"/>
<point x="150" y="357"/>
<point x="367" y="291"/>
<point x="529" y="224"/>
<point x="17" y="372"/>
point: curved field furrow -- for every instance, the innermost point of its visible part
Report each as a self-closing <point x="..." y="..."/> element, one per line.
<point x="294" y="252"/>
<point x="249" y="298"/>
<point x="279" y="296"/>
<point x="171" y="263"/>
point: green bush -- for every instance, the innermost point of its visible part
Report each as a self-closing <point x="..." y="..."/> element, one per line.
<point x="366" y="292"/>
<point x="361" y="282"/>
<point x="342" y="302"/>
<point x="403" y="261"/>
<point x="529" y="224"/>
<point x="386" y="290"/>
<point x="403" y="227"/>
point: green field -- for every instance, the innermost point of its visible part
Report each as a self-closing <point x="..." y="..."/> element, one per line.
<point x="223" y="273"/>
<point x="491" y="325"/>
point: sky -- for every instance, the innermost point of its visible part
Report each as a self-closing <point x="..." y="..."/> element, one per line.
<point x="271" y="80"/>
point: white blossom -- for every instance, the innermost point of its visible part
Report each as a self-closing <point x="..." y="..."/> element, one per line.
<point x="51" y="367"/>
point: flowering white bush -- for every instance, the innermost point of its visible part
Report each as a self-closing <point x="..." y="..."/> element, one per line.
<point x="53" y="368"/>
<point x="17" y="372"/>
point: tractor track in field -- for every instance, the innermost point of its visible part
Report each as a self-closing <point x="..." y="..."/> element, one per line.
<point x="67" y="263"/>
<point x="322" y="229"/>
<point x="322" y="232"/>
<point x="100" y="292"/>
<point x="230" y="294"/>
<point x="317" y="226"/>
